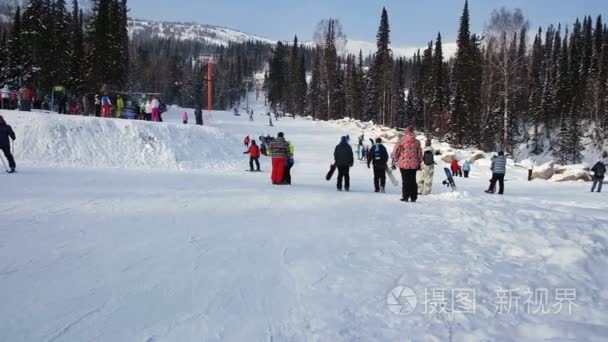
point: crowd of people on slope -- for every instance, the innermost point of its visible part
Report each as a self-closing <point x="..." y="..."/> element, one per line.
<point x="416" y="164"/>
<point x="101" y="105"/>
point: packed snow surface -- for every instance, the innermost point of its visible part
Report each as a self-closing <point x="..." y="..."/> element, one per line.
<point x="76" y="141"/>
<point x="157" y="252"/>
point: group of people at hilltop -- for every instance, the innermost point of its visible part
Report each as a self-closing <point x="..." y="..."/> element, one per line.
<point x="22" y="99"/>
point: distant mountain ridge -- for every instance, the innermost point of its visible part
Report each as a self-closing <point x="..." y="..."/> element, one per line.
<point x="210" y="34"/>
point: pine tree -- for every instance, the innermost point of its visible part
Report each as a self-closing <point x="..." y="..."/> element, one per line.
<point x="76" y="53"/>
<point x="277" y="79"/>
<point x="462" y="72"/>
<point x="19" y="62"/>
<point x="379" y="83"/>
<point x="315" y="89"/>
<point x="98" y="42"/>
<point x="439" y="101"/>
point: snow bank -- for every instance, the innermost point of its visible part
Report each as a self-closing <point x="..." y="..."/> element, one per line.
<point x="76" y="141"/>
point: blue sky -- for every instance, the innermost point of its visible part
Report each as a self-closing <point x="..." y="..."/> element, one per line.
<point x="413" y="22"/>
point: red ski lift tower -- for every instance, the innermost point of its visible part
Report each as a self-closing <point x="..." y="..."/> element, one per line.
<point x="210" y="60"/>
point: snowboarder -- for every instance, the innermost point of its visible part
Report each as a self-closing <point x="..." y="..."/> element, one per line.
<point x="455" y="167"/>
<point x="120" y="106"/>
<point x="251" y="115"/>
<point x="599" y="170"/>
<point x="408" y="155"/>
<point x="344" y="160"/>
<point x="27" y="97"/>
<point x="185" y="118"/>
<point x="379" y="157"/>
<point x="279" y="150"/>
<point x="499" y="168"/>
<point x="246" y="141"/>
<point x="466" y="168"/>
<point x="7" y="132"/>
<point x="427" y="168"/>
<point x="155" y="111"/>
<point x="254" y="156"/>
<point x="289" y="165"/>
<point x="106" y="106"/>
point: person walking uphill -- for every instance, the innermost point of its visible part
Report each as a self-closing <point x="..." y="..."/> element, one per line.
<point x="344" y="160"/>
<point x="599" y="170"/>
<point x="408" y="155"/>
<point x="279" y="150"/>
<point x="378" y="156"/>
<point x="499" y="168"/>
<point x="427" y="168"/>
<point x="7" y="132"/>
<point x="254" y="156"/>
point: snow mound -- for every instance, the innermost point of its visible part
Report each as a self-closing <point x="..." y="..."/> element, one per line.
<point x="76" y="141"/>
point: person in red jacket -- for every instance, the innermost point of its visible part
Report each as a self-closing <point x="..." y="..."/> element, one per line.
<point x="254" y="156"/>
<point x="456" y="169"/>
<point x="246" y="141"/>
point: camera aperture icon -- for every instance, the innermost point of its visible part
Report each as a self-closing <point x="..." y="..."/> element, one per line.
<point x="401" y="300"/>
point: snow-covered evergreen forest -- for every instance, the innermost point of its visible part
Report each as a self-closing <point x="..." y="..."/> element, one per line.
<point x="498" y="91"/>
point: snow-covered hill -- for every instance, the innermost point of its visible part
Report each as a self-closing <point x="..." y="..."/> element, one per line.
<point x="76" y="141"/>
<point x="190" y="31"/>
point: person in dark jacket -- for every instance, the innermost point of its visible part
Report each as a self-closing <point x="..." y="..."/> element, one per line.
<point x="254" y="156"/>
<point x="7" y="132"/>
<point x="499" y="168"/>
<point x="344" y="160"/>
<point x="599" y="170"/>
<point x="378" y="156"/>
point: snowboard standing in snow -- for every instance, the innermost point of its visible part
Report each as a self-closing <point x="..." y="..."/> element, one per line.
<point x="450" y="180"/>
<point x="391" y="176"/>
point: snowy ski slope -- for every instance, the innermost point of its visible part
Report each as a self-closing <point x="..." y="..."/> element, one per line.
<point x="157" y="252"/>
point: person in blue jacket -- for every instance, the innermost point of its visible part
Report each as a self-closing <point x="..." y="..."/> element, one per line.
<point x="466" y="168"/>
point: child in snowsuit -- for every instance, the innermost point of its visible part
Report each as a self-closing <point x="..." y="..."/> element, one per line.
<point x="185" y="118"/>
<point x="466" y="168"/>
<point x="455" y="167"/>
<point x="254" y="156"/>
<point x="427" y="168"/>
